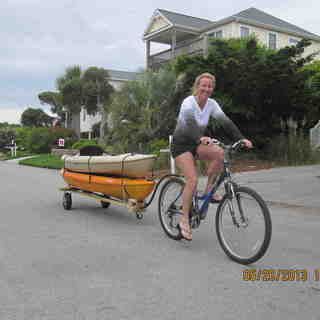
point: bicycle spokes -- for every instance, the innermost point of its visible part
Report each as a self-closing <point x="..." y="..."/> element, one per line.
<point x="244" y="226"/>
<point x="170" y="206"/>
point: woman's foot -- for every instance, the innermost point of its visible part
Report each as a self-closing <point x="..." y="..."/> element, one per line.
<point x="216" y="198"/>
<point x="185" y="229"/>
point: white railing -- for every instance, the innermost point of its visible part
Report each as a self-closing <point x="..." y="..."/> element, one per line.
<point x="315" y="136"/>
<point x="189" y="48"/>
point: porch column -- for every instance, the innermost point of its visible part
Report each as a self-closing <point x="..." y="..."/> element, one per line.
<point x="173" y="43"/>
<point x="147" y="54"/>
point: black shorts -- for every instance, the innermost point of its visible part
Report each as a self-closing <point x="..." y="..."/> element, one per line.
<point x="178" y="148"/>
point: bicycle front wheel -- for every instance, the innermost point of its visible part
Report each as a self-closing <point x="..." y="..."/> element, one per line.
<point x="243" y="226"/>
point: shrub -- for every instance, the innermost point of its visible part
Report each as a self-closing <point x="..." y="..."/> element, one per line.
<point x="292" y="149"/>
<point x="83" y="143"/>
<point x="39" y="140"/>
<point x="163" y="159"/>
<point x="162" y="162"/>
<point x="156" y="145"/>
<point x="6" y="135"/>
<point x="68" y="135"/>
<point x="22" y="137"/>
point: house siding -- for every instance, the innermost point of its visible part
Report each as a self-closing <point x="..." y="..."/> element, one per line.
<point x="158" y="23"/>
<point x="283" y="39"/>
<point x="87" y="123"/>
<point x="315" y="47"/>
<point x="228" y="30"/>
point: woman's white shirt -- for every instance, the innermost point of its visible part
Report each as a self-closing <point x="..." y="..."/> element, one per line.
<point x="190" y="107"/>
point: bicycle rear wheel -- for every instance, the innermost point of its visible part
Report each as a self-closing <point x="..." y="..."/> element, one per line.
<point x="170" y="205"/>
<point x="243" y="226"/>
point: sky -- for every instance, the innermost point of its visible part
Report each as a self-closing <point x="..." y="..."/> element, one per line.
<point x="41" y="38"/>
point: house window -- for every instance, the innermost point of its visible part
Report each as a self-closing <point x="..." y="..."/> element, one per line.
<point x="216" y="34"/>
<point x="84" y="114"/>
<point x="272" y="41"/>
<point x="293" y="42"/>
<point x="244" y="32"/>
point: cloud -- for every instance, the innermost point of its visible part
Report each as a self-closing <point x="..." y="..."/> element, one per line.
<point x="10" y="115"/>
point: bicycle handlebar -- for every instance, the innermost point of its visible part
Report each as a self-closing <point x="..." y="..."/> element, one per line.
<point x="235" y="146"/>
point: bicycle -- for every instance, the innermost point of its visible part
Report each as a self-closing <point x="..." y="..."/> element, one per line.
<point x="236" y="216"/>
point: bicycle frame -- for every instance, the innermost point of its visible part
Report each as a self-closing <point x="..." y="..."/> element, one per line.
<point x="224" y="176"/>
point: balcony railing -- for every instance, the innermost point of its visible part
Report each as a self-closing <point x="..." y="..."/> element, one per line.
<point x="192" y="47"/>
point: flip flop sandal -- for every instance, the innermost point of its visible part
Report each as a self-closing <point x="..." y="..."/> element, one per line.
<point x="185" y="233"/>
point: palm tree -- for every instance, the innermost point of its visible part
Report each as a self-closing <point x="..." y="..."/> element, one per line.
<point x="148" y="107"/>
<point x="96" y="92"/>
<point x="76" y="89"/>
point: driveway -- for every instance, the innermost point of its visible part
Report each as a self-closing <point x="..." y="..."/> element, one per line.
<point x="287" y="186"/>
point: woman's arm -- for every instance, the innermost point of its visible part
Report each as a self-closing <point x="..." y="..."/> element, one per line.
<point x="229" y="127"/>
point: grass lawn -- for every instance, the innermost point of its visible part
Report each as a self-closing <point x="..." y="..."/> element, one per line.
<point x="7" y="155"/>
<point x="44" y="161"/>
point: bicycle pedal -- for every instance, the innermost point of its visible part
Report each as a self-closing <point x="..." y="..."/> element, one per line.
<point x="203" y="216"/>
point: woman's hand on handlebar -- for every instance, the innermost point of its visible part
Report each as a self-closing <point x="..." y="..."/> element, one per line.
<point x="247" y="143"/>
<point x="241" y="143"/>
<point x="205" y="140"/>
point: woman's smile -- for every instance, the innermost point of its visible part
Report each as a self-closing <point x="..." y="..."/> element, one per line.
<point x="204" y="91"/>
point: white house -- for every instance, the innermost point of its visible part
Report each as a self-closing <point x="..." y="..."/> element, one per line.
<point x="185" y="34"/>
<point x="87" y="122"/>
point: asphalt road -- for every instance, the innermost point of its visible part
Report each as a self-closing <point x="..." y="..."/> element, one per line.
<point x="93" y="263"/>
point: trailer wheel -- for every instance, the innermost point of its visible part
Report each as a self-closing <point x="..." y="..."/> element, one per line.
<point x="139" y="216"/>
<point x="67" y="201"/>
<point x="105" y="205"/>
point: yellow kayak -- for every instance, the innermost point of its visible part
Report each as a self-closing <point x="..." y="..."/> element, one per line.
<point x="121" y="188"/>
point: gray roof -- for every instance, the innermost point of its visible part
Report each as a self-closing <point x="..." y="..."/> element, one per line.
<point x="265" y="18"/>
<point x="184" y="20"/>
<point x="255" y="16"/>
<point x="122" y="75"/>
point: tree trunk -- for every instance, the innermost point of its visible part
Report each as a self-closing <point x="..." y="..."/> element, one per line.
<point x="75" y="123"/>
<point x="103" y="122"/>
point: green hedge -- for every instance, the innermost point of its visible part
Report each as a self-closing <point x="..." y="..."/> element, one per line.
<point x="41" y="140"/>
<point x="156" y="145"/>
<point x="84" y="143"/>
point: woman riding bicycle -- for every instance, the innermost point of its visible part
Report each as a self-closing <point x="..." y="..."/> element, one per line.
<point x="191" y="142"/>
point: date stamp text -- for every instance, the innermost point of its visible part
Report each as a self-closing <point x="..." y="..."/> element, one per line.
<point x="280" y="275"/>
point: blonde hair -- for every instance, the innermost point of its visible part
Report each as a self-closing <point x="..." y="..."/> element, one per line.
<point x="201" y="76"/>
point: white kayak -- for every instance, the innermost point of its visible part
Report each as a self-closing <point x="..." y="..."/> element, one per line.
<point x="129" y="165"/>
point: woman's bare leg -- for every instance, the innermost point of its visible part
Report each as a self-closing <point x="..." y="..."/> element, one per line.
<point x="214" y="154"/>
<point x="186" y="164"/>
